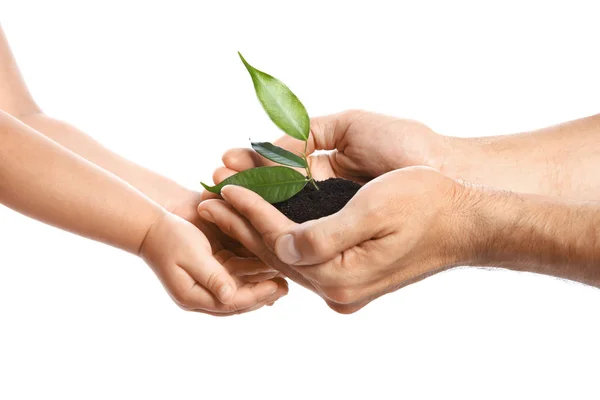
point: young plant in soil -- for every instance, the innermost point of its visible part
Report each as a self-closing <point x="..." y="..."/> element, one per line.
<point x="296" y="195"/>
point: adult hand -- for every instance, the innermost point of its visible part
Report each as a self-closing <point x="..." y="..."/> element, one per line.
<point x="181" y="257"/>
<point x="398" y="229"/>
<point x="365" y="145"/>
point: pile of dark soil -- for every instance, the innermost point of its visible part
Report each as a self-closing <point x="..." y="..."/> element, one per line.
<point x="310" y="203"/>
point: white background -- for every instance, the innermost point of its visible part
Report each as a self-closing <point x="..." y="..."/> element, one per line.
<point x="160" y="83"/>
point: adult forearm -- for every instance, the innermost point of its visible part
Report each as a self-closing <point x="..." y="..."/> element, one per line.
<point x="157" y="187"/>
<point x="44" y="180"/>
<point x="541" y="234"/>
<point x="560" y="160"/>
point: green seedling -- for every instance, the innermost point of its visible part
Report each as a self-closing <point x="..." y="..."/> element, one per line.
<point x="279" y="183"/>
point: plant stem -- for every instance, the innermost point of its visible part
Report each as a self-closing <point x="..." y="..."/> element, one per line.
<point x="309" y="175"/>
<point x="308" y="171"/>
<point x="314" y="183"/>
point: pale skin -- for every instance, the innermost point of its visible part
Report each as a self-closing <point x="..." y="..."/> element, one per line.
<point x="425" y="209"/>
<point x="53" y="172"/>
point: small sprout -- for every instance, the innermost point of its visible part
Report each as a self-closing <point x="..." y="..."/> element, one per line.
<point x="276" y="184"/>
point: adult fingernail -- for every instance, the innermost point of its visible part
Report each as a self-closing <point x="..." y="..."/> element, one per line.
<point x="286" y="249"/>
<point x="225" y="193"/>
<point x="206" y="215"/>
<point x="225" y="293"/>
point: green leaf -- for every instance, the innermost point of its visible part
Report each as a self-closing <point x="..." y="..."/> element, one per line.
<point x="282" y="106"/>
<point x="279" y="155"/>
<point x="274" y="184"/>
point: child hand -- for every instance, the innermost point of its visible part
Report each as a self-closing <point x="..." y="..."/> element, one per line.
<point x="250" y="268"/>
<point x="182" y="259"/>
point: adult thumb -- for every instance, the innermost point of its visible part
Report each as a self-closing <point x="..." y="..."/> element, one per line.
<point x="318" y="241"/>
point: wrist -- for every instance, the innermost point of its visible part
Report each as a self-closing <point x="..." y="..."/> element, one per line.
<point x="452" y="228"/>
<point x="456" y="157"/>
<point x="184" y="202"/>
<point x="178" y="198"/>
<point x="153" y="225"/>
<point x="461" y="225"/>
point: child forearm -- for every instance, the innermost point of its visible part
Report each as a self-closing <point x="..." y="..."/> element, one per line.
<point x="157" y="187"/>
<point x="47" y="182"/>
<point x="16" y="100"/>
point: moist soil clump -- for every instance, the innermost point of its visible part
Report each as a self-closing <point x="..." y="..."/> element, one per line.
<point x="310" y="203"/>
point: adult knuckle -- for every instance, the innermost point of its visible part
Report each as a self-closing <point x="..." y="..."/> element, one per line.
<point x="315" y="242"/>
<point x="316" y="126"/>
<point x="347" y="268"/>
<point x="374" y="211"/>
<point x="329" y="275"/>
<point x="351" y="112"/>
